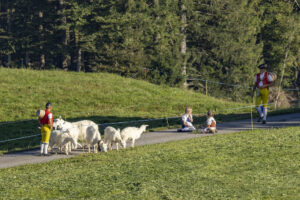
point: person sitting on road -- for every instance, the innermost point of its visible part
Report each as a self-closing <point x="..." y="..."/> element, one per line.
<point x="187" y="120"/>
<point x="211" y="124"/>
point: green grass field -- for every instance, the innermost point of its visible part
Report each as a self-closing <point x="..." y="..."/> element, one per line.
<point x="263" y="164"/>
<point x="100" y="97"/>
<point x="73" y="95"/>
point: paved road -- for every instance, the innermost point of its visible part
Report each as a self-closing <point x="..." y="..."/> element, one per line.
<point x="29" y="157"/>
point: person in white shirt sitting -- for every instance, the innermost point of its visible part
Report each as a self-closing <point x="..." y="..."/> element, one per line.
<point x="211" y="124"/>
<point x="187" y="120"/>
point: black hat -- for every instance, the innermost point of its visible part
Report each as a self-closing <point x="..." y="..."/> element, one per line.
<point x="48" y="105"/>
<point x="263" y="66"/>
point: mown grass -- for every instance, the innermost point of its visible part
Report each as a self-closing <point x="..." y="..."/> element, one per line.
<point x="263" y="164"/>
<point x="100" y="97"/>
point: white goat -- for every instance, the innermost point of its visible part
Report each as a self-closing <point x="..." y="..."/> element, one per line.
<point x="132" y="133"/>
<point x="102" y="146"/>
<point x="112" y="136"/>
<point x="62" y="139"/>
<point x="82" y="127"/>
<point x="93" y="138"/>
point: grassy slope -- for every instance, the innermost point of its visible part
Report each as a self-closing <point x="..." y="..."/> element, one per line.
<point x="22" y="92"/>
<point x="263" y="164"/>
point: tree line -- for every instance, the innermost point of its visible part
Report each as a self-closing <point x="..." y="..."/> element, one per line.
<point x="168" y="41"/>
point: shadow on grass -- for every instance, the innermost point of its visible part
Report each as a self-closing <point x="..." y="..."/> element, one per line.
<point x="30" y="127"/>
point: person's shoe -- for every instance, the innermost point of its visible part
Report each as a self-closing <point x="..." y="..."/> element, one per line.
<point x="259" y="119"/>
<point x="264" y="122"/>
<point x="47" y="154"/>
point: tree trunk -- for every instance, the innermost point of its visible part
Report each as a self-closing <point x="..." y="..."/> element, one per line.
<point x="41" y="28"/>
<point x="296" y="72"/>
<point x="66" y="59"/>
<point x="289" y="42"/>
<point x="297" y="85"/>
<point x="78" y="51"/>
<point x="282" y="75"/>
<point x="1" y="26"/>
<point x="8" y="11"/>
<point x="82" y="61"/>
<point x="183" y="43"/>
<point x="27" y="59"/>
<point x="79" y="60"/>
<point x="157" y="18"/>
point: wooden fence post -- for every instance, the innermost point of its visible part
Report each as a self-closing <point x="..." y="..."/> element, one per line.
<point x="168" y="125"/>
<point x="206" y="87"/>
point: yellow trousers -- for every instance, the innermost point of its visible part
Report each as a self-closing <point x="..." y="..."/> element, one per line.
<point x="262" y="96"/>
<point x="45" y="131"/>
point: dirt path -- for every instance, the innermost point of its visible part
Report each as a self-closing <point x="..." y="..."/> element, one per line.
<point x="29" y="157"/>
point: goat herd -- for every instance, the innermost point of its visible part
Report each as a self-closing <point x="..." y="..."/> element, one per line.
<point x="67" y="136"/>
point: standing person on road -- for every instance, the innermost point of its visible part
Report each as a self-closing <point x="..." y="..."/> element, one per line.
<point x="46" y="126"/>
<point x="263" y="81"/>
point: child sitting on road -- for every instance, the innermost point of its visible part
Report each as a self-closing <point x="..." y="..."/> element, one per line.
<point x="187" y="120"/>
<point x="211" y="124"/>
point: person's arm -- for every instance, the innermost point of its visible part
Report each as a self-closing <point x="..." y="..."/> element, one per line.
<point x="191" y="117"/>
<point x="267" y="85"/>
<point x="253" y="90"/>
<point x="40" y="121"/>
<point x="254" y="87"/>
<point x="184" y="120"/>
<point x="272" y="84"/>
<point x="208" y="123"/>
<point x="50" y="122"/>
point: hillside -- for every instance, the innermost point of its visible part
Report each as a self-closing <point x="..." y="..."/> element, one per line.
<point x="73" y="95"/>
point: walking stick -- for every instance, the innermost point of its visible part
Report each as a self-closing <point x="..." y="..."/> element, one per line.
<point x="251" y="113"/>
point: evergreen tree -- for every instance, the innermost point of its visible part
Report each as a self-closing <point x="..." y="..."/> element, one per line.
<point x="222" y="39"/>
<point x="280" y="35"/>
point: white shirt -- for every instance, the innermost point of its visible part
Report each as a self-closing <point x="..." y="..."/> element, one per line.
<point x="262" y="76"/>
<point x="50" y="116"/>
<point x="185" y="118"/>
<point x="210" y="120"/>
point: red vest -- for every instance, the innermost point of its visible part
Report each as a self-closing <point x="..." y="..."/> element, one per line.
<point x="45" y="119"/>
<point x="265" y="79"/>
<point x="213" y="124"/>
